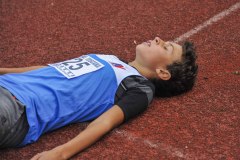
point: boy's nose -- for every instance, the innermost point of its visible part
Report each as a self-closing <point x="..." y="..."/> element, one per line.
<point x="159" y="40"/>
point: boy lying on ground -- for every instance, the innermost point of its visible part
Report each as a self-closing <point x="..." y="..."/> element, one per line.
<point x="99" y="88"/>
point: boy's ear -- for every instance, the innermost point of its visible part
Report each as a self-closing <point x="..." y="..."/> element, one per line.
<point x="163" y="74"/>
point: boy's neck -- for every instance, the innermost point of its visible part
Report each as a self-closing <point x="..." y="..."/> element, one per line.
<point x="142" y="70"/>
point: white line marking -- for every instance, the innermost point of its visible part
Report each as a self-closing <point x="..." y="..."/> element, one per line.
<point x="210" y="21"/>
<point x="168" y="149"/>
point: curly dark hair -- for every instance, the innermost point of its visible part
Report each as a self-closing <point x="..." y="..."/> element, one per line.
<point x="183" y="74"/>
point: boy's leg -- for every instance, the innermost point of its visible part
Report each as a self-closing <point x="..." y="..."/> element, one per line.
<point x="13" y="121"/>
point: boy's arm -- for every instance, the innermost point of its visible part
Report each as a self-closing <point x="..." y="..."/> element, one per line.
<point x="18" y="70"/>
<point x="95" y="130"/>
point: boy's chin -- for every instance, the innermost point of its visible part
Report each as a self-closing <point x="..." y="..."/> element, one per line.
<point x="140" y="48"/>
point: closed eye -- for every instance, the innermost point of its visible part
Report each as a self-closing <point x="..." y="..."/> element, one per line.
<point x="172" y="47"/>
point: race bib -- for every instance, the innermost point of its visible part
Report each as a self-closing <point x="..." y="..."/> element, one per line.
<point x="77" y="66"/>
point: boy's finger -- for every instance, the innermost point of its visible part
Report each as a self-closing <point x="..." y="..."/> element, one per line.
<point x="36" y="156"/>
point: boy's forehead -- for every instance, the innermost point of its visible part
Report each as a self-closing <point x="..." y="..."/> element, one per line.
<point x="177" y="47"/>
<point x="177" y="51"/>
<point x="175" y="44"/>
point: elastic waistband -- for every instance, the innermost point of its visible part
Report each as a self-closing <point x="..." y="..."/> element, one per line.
<point x="14" y="97"/>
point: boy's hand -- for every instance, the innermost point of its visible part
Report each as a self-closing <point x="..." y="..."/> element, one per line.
<point x="94" y="131"/>
<point x="54" y="154"/>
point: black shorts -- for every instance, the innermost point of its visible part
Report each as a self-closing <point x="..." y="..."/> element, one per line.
<point x="13" y="120"/>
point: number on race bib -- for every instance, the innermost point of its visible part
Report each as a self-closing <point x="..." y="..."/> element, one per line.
<point x="77" y="66"/>
<point x="75" y="61"/>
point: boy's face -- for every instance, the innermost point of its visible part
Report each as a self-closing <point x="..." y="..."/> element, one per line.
<point x="155" y="53"/>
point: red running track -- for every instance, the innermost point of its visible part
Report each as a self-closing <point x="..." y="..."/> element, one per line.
<point x="201" y="124"/>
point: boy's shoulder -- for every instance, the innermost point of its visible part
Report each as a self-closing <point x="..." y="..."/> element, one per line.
<point x="134" y="95"/>
<point x="140" y="82"/>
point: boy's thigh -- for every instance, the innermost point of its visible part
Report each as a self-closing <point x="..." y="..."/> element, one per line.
<point x="16" y="133"/>
<point x="12" y="114"/>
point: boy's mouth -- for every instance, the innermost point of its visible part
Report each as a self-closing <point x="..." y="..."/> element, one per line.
<point x="148" y="43"/>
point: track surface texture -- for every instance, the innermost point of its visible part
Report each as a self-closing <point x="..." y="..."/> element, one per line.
<point x="201" y="124"/>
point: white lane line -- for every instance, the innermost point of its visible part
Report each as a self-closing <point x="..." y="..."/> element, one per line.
<point x="168" y="149"/>
<point x="210" y="21"/>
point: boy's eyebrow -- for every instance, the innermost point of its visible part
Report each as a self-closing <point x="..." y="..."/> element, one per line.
<point x="172" y="47"/>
